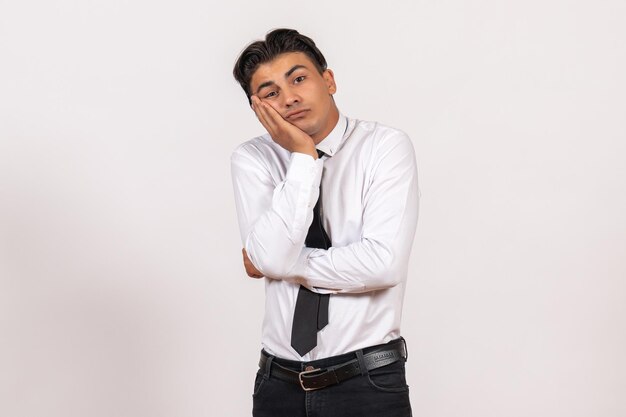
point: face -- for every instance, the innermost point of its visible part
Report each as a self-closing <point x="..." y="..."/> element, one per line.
<point x="292" y="85"/>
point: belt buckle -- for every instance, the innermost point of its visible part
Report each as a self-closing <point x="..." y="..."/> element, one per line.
<point x="306" y="373"/>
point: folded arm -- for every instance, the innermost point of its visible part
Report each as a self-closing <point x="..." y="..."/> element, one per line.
<point x="274" y="218"/>
<point x="379" y="258"/>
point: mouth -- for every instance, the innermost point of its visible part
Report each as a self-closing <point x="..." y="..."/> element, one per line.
<point x="296" y="114"/>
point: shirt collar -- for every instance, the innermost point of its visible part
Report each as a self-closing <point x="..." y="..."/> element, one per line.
<point x="331" y="143"/>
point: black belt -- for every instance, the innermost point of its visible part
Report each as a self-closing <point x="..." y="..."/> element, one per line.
<point x="316" y="378"/>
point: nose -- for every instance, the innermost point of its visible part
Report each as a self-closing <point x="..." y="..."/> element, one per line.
<point x="290" y="97"/>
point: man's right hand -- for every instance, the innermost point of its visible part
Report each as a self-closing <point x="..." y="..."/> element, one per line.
<point x="282" y="132"/>
<point x="250" y="268"/>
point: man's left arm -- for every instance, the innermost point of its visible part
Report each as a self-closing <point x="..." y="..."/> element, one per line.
<point x="380" y="258"/>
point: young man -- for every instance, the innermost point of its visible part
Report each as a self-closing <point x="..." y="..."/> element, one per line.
<point x="327" y="208"/>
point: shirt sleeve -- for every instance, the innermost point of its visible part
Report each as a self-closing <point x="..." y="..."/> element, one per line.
<point x="274" y="218"/>
<point x="380" y="258"/>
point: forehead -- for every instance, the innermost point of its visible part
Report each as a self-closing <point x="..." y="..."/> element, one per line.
<point x="276" y="69"/>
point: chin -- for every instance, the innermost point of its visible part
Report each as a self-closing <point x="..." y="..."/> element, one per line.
<point x="307" y="126"/>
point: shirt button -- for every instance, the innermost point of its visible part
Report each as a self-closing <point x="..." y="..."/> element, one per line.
<point x="309" y="368"/>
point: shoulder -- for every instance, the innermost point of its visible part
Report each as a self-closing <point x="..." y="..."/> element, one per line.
<point x="383" y="150"/>
<point x="376" y="135"/>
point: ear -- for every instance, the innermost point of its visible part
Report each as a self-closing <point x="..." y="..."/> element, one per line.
<point x="329" y="77"/>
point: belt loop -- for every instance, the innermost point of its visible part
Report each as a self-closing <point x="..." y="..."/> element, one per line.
<point x="362" y="366"/>
<point x="268" y="367"/>
<point x="406" y="349"/>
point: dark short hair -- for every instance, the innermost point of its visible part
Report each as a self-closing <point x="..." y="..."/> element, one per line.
<point x="278" y="41"/>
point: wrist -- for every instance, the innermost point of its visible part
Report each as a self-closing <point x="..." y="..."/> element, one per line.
<point x="307" y="150"/>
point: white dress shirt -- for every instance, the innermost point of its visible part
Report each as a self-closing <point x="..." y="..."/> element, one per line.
<point x="370" y="201"/>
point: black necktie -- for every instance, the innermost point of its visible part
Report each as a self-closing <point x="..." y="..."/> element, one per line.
<point x="311" y="312"/>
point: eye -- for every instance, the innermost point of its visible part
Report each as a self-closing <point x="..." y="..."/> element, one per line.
<point x="299" y="79"/>
<point x="271" y="94"/>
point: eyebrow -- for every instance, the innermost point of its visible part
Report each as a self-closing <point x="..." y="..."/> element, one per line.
<point x="265" y="84"/>
<point x="287" y="74"/>
<point x="295" y="67"/>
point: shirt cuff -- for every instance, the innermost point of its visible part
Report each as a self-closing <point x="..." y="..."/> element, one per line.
<point x="304" y="166"/>
<point x="301" y="270"/>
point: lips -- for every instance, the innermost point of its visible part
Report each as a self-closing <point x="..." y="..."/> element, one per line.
<point x="296" y="114"/>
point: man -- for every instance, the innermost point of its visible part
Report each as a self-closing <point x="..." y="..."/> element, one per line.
<point x="327" y="208"/>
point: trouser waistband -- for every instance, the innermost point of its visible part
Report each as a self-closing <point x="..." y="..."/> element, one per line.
<point x="321" y="373"/>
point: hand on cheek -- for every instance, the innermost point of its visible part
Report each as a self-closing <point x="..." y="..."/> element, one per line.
<point x="282" y="132"/>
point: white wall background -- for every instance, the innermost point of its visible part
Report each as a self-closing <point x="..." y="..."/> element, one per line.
<point x="122" y="292"/>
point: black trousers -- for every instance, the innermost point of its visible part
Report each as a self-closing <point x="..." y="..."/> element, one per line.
<point x="381" y="392"/>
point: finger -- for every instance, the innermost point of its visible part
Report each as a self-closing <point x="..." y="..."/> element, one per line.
<point x="273" y="115"/>
<point x="255" y="107"/>
<point x="253" y="273"/>
<point x="272" y="118"/>
<point x="261" y="114"/>
<point x="251" y="268"/>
